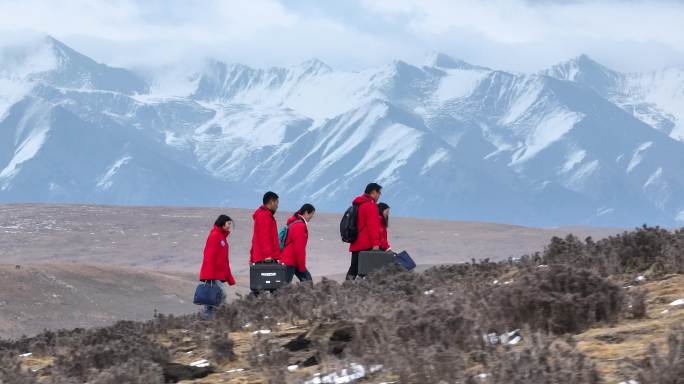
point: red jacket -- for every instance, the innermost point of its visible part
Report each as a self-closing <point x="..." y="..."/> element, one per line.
<point x="215" y="264"/>
<point x="294" y="253"/>
<point x="368" y="224"/>
<point x="384" y="244"/>
<point x="265" y="243"/>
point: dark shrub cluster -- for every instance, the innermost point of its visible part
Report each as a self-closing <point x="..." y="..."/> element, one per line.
<point x="420" y="327"/>
<point x="665" y="368"/>
<point x="542" y="360"/>
<point x="86" y="362"/>
<point x="11" y="372"/>
<point x="123" y="353"/>
<point x="131" y="372"/>
<point x="636" y="304"/>
<point x="429" y="327"/>
<point x="557" y="299"/>
<point x="221" y="348"/>
<point x="646" y="249"/>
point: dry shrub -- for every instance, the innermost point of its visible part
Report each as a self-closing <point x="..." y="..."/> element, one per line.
<point x="429" y="327"/>
<point x="541" y="360"/>
<point x="665" y="368"/>
<point x="11" y="372"/>
<point x="131" y="372"/>
<point x="637" y="307"/>
<point x="647" y="249"/>
<point x="221" y="348"/>
<point x="421" y="327"/>
<point x="557" y="299"/>
<point x="87" y="361"/>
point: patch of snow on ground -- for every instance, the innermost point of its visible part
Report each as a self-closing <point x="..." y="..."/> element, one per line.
<point x="654" y="177"/>
<point x="547" y="131"/>
<point x="13" y="91"/>
<point x="346" y="375"/>
<point x="458" y="84"/>
<point x="440" y="155"/>
<point x="105" y="181"/>
<point x="604" y="211"/>
<point x="526" y="95"/>
<point x="637" y="156"/>
<point x="578" y="179"/>
<point x="25" y="152"/>
<point x="573" y="159"/>
<point x="200" y="363"/>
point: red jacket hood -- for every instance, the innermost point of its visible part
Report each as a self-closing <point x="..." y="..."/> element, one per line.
<point x="292" y="219"/>
<point x="216" y="229"/>
<point x="262" y="211"/>
<point x="362" y="199"/>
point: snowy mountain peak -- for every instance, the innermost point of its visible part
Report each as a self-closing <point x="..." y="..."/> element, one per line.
<point x="585" y="70"/>
<point x="442" y="60"/>
<point x="585" y="61"/>
<point x="75" y="70"/>
<point x="401" y="67"/>
<point x="65" y="55"/>
<point x="314" y="67"/>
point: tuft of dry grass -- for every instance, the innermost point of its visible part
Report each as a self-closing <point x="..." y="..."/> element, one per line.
<point x="617" y="350"/>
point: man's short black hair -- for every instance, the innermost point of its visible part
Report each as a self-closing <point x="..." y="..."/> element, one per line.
<point x="270" y="196"/>
<point x="373" y="187"/>
<point x="222" y="220"/>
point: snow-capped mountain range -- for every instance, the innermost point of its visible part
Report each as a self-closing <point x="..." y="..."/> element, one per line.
<point x="578" y="143"/>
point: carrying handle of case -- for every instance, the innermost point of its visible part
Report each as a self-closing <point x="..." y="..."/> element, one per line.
<point x="268" y="261"/>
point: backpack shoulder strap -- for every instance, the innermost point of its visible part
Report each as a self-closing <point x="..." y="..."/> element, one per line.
<point x="287" y="227"/>
<point x="358" y="206"/>
<point x="294" y="222"/>
<point x="365" y="202"/>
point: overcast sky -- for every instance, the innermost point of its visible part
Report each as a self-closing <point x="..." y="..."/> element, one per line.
<point x="521" y="35"/>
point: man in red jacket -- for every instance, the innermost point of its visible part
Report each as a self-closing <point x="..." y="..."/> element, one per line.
<point x="368" y="225"/>
<point x="265" y="243"/>
<point x="215" y="263"/>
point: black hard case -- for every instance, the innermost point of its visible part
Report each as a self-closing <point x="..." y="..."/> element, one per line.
<point x="370" y="261"/>
<point x="267" y="276"/>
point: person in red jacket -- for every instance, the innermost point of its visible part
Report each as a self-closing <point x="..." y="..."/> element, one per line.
<point x="384" y="211"/>
<point x="215" y="262"/>
<point x="369" y="227"/>
<point x="265" y="243"/>
<point x="294" y="253"/>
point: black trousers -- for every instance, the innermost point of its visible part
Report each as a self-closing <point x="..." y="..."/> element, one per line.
<point x="302" y="276"/>
<point x="353" y="271"/>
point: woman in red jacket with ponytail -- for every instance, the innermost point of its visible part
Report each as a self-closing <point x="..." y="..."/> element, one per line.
<point x="294" y="253"/>
<point x="215" y="263"/>
<point x="384" y="211"/>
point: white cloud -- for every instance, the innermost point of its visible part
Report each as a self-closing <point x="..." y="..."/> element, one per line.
<point x="523" y="22"/>
<point x="156" y="32"/>
<point x="508" y="34"/>
<point x="543" y="30"/>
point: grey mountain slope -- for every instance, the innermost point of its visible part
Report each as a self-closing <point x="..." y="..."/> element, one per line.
<point x="82" y="161"/>
<point x="448" y="139"/>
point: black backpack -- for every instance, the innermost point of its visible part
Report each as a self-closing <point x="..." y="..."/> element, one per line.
<point x="349" y="226"/>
